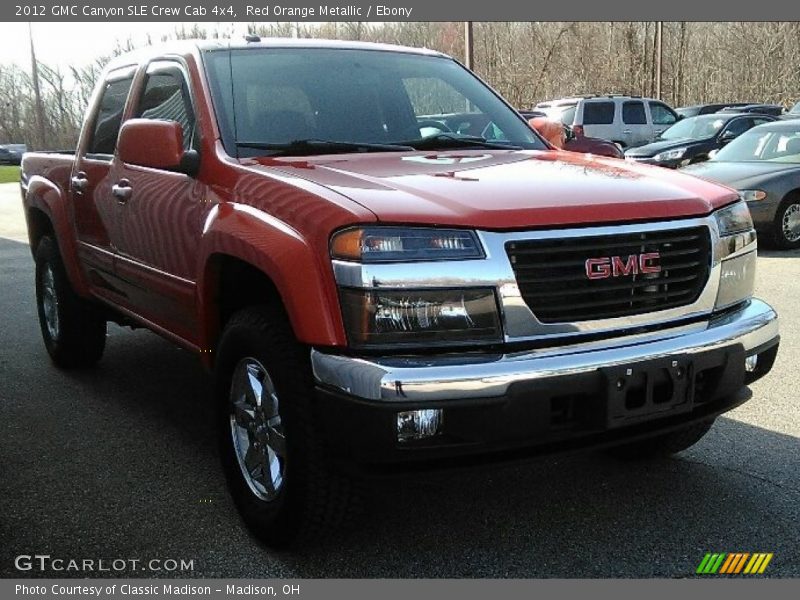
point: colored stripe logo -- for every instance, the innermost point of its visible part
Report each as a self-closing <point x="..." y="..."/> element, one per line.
<point x="734" y="563"/>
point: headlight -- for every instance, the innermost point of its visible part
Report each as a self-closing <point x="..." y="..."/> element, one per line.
<point x="670" y="154"/>
<point x="752" y="195"/>
<point x="737" y="253"/>
<point x="734" y="219"/>
<point x="420" y="317"/>
<point x="401" y="244"/>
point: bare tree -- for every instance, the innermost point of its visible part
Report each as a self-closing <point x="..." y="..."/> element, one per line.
<point x="526" y="62"/>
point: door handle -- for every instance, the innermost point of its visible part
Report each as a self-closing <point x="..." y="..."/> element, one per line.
<point x="79" y="182"/>
<point x="626" y="131"/>
<point x="122" y="190"/>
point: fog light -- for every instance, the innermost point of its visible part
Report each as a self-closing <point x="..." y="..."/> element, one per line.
<point x="418" y="424"/>
<point x="750" y="363"/>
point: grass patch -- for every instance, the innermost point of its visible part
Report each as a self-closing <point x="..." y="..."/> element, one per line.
<point x="9" y="174"/>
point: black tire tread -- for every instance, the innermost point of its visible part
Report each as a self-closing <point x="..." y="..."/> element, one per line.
<point x="323" y="500"/>
<point x="82" y="338"/>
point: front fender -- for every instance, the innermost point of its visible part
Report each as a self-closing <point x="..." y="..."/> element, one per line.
<point x="306" y="286"/>
<point x="50" y="199"/>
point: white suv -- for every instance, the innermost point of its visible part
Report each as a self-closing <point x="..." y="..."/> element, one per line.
<point x="626" y="120"/>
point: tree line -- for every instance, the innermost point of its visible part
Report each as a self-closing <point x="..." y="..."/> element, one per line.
<point x="526" y="62"/>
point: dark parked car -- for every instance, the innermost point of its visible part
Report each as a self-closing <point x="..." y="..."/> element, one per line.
<point x="705" y="109"/>
<point x="690" y="140"/>
<point x="9" y="155"/>
<point x="764" y="165"/>
<point x="776" y="110"/>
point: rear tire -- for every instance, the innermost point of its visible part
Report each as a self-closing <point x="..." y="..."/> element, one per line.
<point x="73" y="329"/>
<point x="277" y="469"/>
<point x="663" y="445"/>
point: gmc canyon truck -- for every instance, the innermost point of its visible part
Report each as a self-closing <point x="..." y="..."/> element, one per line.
<point x="387" y="269"/>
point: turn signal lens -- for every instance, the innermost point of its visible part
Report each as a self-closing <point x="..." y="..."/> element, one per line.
<point x="752" y="195"/>
<point x="400" y="244"/>
<point x="347" y="244"/>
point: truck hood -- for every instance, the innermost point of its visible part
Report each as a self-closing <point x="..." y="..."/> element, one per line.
<point x="503" y="189"/>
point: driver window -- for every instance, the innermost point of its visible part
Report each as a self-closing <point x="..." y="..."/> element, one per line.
<point x="166" y="97"/>
<point x="661" y="114"/>
<point x="738" y="127"/>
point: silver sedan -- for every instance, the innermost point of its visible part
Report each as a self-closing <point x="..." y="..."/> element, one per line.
<point x="763" y="164"/>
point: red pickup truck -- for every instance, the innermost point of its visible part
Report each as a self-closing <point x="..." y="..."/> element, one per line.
<point x="376" y="289"/>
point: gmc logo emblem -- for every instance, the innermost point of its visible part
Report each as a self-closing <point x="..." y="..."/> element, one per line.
<point x="614" y="266"/>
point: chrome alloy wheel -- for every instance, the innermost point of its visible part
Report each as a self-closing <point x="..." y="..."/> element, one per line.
<point x="50" y="303"/>
<point x="791" y="223"/>
<point x="257" y="430"/>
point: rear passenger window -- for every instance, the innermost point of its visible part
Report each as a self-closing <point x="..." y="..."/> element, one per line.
<point x="633" y="113"/>
<point x="166" y="98"/>
<point x="109" y="117"/>
<point x="598" y="113"/>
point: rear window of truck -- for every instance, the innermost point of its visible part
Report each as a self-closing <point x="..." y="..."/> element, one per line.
<point x="598" y="113"/>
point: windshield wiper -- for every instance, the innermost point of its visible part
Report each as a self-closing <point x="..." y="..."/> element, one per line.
<point x="313" y="146"/>
<point x="450" y="140"/>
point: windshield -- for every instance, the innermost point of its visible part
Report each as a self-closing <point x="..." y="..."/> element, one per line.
<point x="694" y="128"/>
<point x="768" y="145"/>
<point x="268" y="99"/>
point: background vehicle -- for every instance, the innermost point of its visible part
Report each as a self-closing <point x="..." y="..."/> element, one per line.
<point x="691" y="139"/>
<point x="11" y="154"/>
<point x="626" y="120"/>
<point x="569" y="141"/>
<point x="590" y="145"/>
<point x="372" y="296"/>
<point x="775" y="110"/>
<point x="793" y="113"/>
<point x="704" y="109"/>
<point x="764" y="165"/>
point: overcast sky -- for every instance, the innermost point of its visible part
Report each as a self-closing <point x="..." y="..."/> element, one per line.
<point x="80" y="43"/>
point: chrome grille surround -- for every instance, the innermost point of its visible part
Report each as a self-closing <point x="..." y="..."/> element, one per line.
<point x="519" y="321"/>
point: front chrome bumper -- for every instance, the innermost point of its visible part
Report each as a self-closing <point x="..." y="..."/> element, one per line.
<point x="457" y="377"/>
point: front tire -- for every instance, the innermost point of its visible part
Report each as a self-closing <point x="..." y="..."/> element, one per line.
<point x="73" y="329"/>
<point x="277" y="470"/>
<point x="662" y="445"/>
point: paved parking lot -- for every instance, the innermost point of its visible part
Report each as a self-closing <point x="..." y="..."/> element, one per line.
<point x="120" y="462"/>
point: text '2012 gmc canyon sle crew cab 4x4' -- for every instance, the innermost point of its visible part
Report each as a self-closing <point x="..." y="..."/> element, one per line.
<point x="386" y="268"/>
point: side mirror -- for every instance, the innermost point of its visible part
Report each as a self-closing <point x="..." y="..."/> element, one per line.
<point x="727" y="136"/>
<point x="569" y="133"/>
<point x="155" y="144"/>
